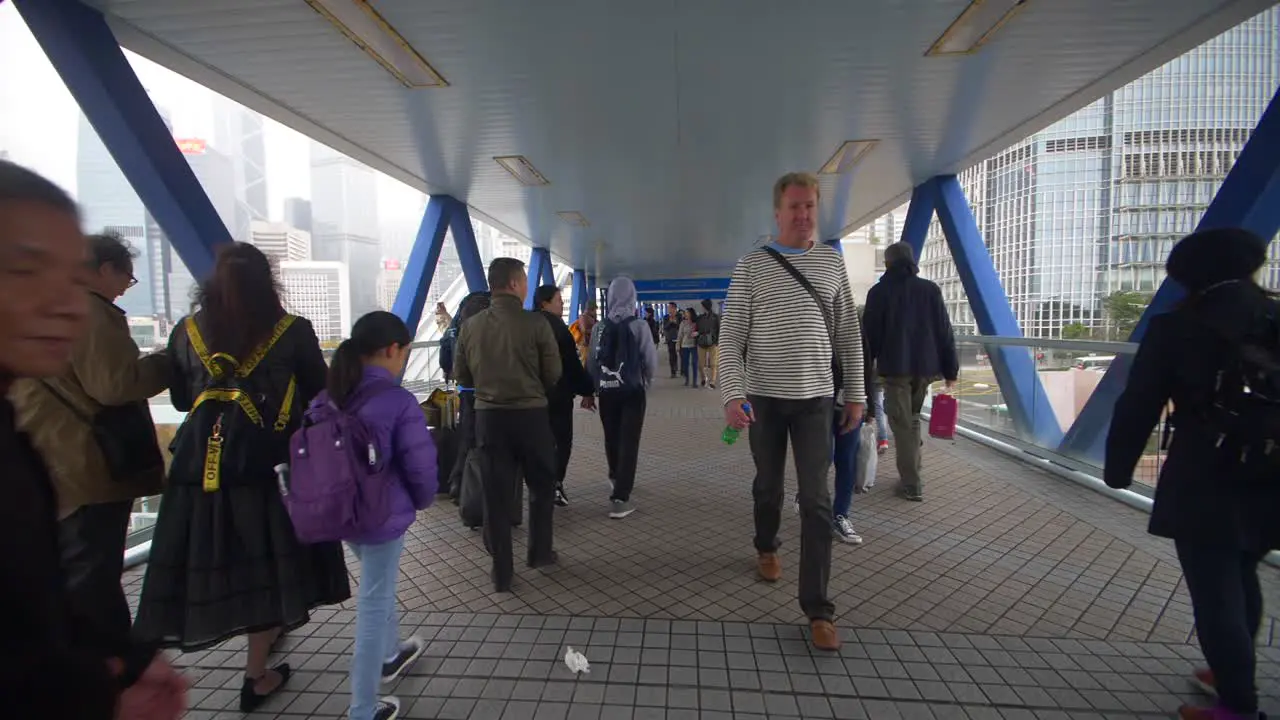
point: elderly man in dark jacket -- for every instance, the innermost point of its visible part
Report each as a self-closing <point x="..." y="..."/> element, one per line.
<point x="909" y="340"/>
<point x="511" y="359"/>
<point x="54" y="662"/>
<point x="63" y="416"/>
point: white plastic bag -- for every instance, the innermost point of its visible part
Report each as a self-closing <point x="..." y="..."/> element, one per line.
<point x="865" y="478"/>
<point x="576" y="661"/>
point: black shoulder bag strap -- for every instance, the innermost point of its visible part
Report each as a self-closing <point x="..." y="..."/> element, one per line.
<point x="837" y="370"/>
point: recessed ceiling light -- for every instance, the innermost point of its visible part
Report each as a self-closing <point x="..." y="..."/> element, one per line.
<point x="522" y="170"/>
<point x="366" y="27"/>
<point x="573" y="217"/>
<point x="975" y="26"/>
<point x="846" y="156"/>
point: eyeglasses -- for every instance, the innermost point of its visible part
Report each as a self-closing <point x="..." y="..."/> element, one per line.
<point x="132" y="281"/>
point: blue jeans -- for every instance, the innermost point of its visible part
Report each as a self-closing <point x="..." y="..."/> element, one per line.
<point x="377" y="622"/>
<point x="846" y="464"/>
<point x="689" y="364"/>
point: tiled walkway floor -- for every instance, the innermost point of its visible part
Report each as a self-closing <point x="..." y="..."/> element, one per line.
<point x="1007" y="594"/>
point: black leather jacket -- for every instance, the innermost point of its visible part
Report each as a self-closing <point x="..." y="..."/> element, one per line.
<point x="51" y="663"/>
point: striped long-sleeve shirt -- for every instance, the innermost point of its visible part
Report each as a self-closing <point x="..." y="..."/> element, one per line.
<point x="773" y="339"/>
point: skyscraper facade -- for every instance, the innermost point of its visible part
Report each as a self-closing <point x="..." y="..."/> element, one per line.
<point x="280" y="242"/>
<point x="344" y="215"/>
<point x="297" y="213"/>
<point x="237" y="134"/>
<point x="216" y="173"/>
<point x="320" y="292"/>
<point x="1092" y="205"/>
<point x="109" y="204"/>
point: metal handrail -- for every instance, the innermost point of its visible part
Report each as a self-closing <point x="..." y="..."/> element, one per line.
<point x="1106" y="346"/>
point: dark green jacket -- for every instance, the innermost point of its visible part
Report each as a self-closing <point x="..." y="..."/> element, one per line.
<point x="508" y="355"/>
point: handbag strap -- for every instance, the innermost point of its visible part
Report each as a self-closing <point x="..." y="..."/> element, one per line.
<point x="813" y="292"/>
<point x="80" y="414"/>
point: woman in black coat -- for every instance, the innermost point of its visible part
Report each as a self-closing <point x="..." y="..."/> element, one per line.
<point x="1221" y="515"/>
<point x="574" y="381"/>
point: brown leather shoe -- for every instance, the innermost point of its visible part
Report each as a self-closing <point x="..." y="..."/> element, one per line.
<point x="770" y="566"/>
<point x="825" y="636"/>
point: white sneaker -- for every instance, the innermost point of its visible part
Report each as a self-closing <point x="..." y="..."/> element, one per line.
<point x="388" y="709"/>
<point x="407" y="654"/>
<point x="844" y="529"/>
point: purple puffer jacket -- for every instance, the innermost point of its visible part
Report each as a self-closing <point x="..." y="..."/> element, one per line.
<point x="400" y="430"/>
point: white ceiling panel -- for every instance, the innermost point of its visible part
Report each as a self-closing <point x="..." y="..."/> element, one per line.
<point x="665" y="123"/>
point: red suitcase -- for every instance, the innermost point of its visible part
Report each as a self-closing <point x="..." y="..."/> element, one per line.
<point x="943" y="416"/>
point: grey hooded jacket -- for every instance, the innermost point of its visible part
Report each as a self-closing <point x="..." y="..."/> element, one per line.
<point x="622" y="303"/>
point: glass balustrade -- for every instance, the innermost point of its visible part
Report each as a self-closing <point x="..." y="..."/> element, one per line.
<point x="1067" y="370"/>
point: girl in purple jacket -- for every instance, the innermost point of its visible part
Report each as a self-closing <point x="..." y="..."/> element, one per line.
<point x="375" y="354"/>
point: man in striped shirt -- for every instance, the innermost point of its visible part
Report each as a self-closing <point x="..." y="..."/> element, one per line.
<point x="777" y="346"/>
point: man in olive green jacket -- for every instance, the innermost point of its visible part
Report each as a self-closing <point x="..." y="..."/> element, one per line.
<point x="509" y="355"/>
<point x="93" y="508"/>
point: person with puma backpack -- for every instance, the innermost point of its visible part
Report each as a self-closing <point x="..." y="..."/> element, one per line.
<point x="622" y="363"/>
<point x="1216" y="357"/>
<point x="360" y="468"/>
<point x="224" y="558"/>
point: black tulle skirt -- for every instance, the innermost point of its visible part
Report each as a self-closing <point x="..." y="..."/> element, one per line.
<point x="227" y="563"/>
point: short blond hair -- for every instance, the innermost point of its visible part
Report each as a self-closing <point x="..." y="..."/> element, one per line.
<point x="794" y="179"/>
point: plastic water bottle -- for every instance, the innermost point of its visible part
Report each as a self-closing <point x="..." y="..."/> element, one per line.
<point x="282" y="478"/>
<point x="731" y="433"/>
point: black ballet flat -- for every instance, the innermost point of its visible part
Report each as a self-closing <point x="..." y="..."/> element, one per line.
<point x="250" y="700"/>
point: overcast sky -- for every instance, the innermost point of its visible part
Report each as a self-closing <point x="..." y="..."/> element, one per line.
<point x="38" y="123"/>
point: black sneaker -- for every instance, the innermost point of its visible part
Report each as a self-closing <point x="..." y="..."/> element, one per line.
<point x="562" y="500"/>
<point x="408" y="653"/>
<point x="388" y="709"/>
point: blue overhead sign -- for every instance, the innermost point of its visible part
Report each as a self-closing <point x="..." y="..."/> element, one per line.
<point x="683" y="285"/>
<point x="650" y="297"/>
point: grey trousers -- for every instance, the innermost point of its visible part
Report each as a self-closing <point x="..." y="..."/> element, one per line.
<point x="903" y="399"/>
<point x="808" y="424"/>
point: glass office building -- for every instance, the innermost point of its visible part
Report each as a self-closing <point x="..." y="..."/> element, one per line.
<point x="1092" y="205"/>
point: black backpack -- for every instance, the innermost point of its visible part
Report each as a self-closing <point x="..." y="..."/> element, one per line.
<point x="1242" y="410"/>
<point x="470" y="305"/>
<point x="618" y="358"/>
<point x="233" y="435"/>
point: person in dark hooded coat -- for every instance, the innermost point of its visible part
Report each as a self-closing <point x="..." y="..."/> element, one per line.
<point x="1221" y="519"/>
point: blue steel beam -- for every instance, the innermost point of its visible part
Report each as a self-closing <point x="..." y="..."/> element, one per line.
<point x="539" y="268"/>
<point x="1014" y="367"/>
<point x="577" y="294"/>
<point x="1248" y="198"/>
<point x="85" y="53"/>
<point x="423" y="258"/>
<point x="924" y="200"/>
<point x="464" y="239"/>
<point x="548" y="276"/>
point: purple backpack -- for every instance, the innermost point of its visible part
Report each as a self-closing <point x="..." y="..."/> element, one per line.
<point x="338" y="483"/>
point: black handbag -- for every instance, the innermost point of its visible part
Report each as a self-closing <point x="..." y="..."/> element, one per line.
<point x="125" y="434"/>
